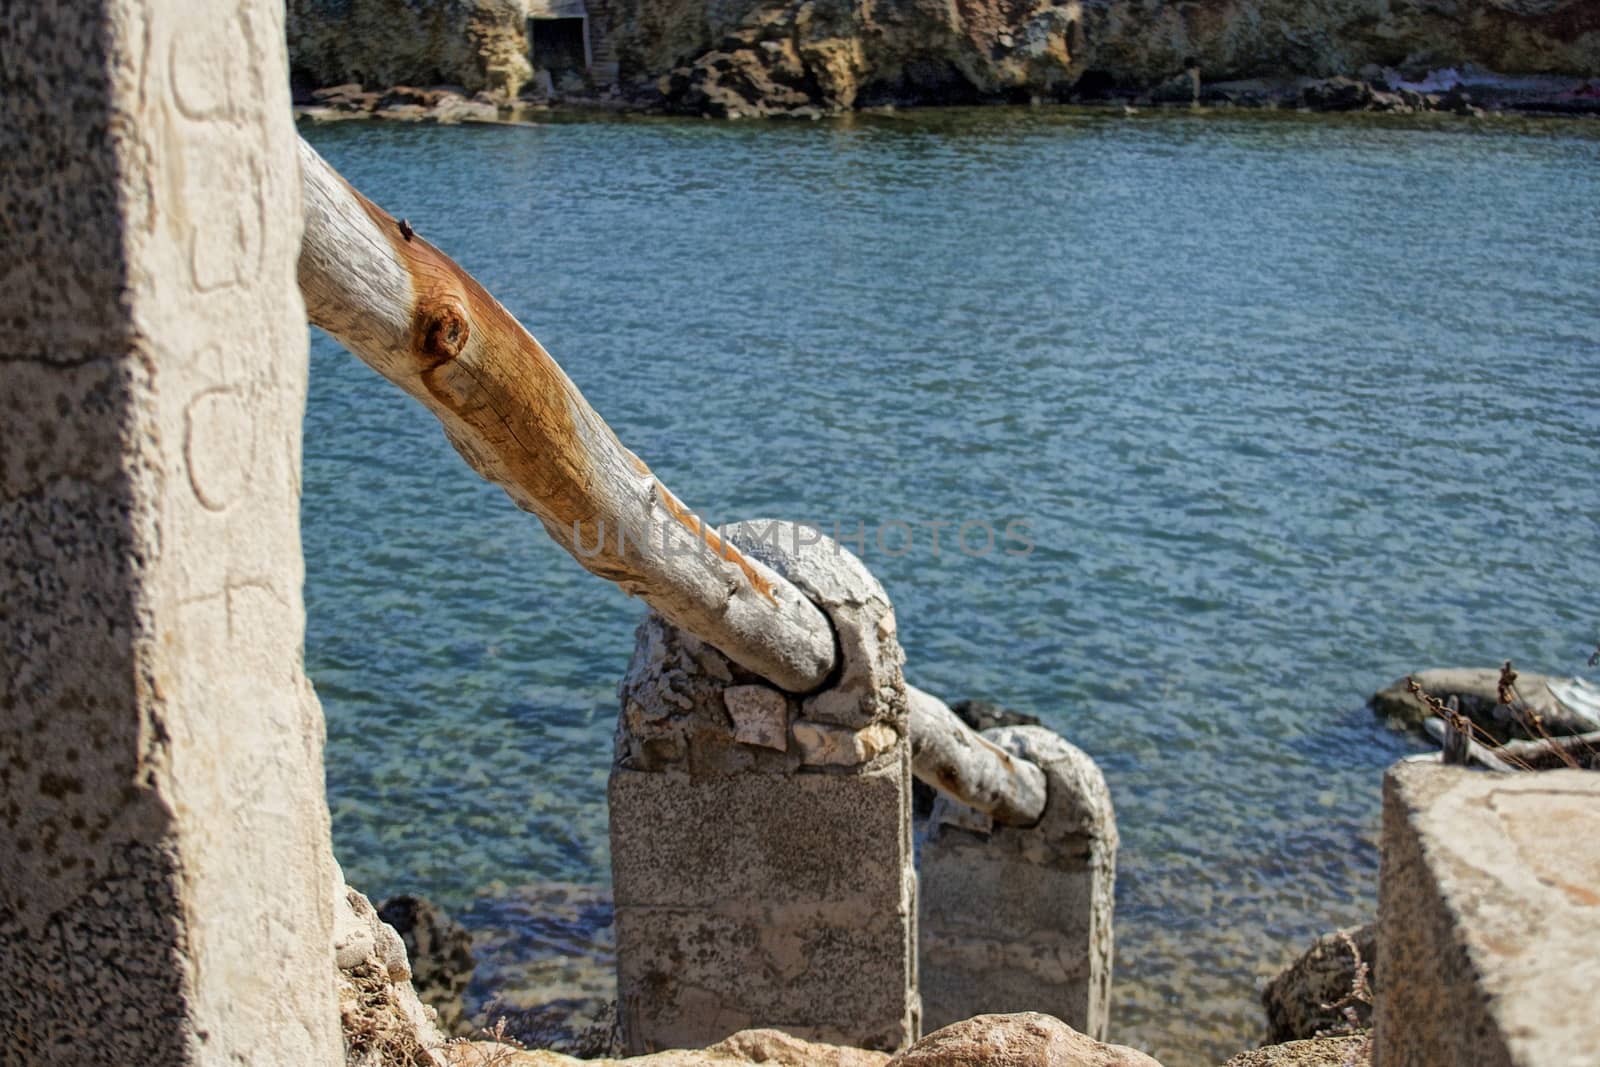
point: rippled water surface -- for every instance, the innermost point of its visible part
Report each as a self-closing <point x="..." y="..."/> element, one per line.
<point x="1291" y="407"/>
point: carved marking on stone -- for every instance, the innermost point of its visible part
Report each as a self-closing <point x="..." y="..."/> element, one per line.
<point x="218" y="447"/>
<point x="760" y="716"/>
<point x="223" y="204"/>
<point x="205" y="66"/>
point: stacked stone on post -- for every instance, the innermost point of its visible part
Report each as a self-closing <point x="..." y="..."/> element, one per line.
<point x="760" y="840"/>
<point x="1019" y="918"/>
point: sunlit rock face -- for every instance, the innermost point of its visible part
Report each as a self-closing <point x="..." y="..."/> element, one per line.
<point x="476" y="44"/>
<point x="796" y="56"/>
<point x="803" y="58"/>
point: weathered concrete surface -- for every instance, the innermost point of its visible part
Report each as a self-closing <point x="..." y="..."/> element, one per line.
<point x="1021" y="917"/>
<point x="1023" y="1039"/>
<point x="1489" y="896"/>
<point x="1307" y="997"/>
<point x="766" y="881"/>
<point x="163" y="829"/>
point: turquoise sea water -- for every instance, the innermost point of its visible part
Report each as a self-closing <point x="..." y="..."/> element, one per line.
<point x="1291" y="406"/>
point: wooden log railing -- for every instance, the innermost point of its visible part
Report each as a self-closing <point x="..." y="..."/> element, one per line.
<point x="420" y="320"/>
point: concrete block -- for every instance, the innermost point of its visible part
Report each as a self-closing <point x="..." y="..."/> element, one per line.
<point x="761" y="853"/>
<point x="164" y="842"/>
<point x="1489" y="897"/>
<point x="1020" y="918"/>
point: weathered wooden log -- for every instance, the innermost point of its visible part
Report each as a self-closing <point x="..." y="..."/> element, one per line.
<point x="413" y="315"/>
<point x="420" y="320"/>
<point x="1440" y="731"/>
<point x="954" y="758"/>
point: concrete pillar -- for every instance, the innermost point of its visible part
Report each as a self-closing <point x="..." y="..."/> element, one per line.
<point x="761" y="854"/>
<point x="1019" y="919"/>
<point x="1488" y="897"/>
<point x="164" y="843"/>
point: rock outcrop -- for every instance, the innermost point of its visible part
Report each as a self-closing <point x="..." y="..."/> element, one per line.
<point x="805" y="58"/>
<point x="1310" y="997"/>
<point x="1477" y="691"/>
<point x="479" y="45"/>
<point x="385" y="1025"/>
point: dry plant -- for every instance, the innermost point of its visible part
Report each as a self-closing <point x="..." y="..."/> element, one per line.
<point x="550" y="1027"/>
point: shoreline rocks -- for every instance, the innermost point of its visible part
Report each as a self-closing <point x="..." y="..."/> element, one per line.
<point x="727" y="88"/>
<point x="811" y="58"/>
<point x="1477" y="691"/>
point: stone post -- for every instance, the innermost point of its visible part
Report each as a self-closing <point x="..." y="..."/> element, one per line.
<point x="761" y="854"/>
<point x="1487" y="901"/>
<point x="164" y="846"/>
<point x="1019" y="918"/>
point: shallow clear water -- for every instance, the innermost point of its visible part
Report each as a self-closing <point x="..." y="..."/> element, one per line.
<point x="1290" y="406"/>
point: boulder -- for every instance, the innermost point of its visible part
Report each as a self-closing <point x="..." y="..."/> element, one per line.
<point x="1353" y="1051"/>
<point x="1478" y="692"/>
<point x="1025" y="1039"/>
<point x="440" y="953"/>
<point x="1308" y="997"/>
<point x="1337" y="94"/>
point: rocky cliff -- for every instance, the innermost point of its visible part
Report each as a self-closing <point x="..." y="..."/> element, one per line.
<point x="767" y="56"/>
<point x="476" y="44"/>
<point x="806" y="57"/>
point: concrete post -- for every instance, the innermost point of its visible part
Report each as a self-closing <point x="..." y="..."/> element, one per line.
<point x="1019" y="918"/>
<point x="164" y="846"/>
<point x="1487" y="901"/>
<point x="761" y="855"/>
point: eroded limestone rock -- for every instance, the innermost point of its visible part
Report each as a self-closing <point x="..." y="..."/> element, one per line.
<point x="1301" y="1001"/>
<point x="474" y="44"/>
<point x="385" y="1024"/>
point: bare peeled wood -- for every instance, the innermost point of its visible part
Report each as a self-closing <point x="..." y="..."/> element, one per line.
<point x="955" y="759"/>
<point x="420" y="320"/>
<point x="413" y="315"/>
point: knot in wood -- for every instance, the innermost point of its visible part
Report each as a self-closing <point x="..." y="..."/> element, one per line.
<point x="444" y="332"/>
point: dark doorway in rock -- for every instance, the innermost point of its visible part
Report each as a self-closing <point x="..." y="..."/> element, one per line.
<point x="558" y="45"/>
